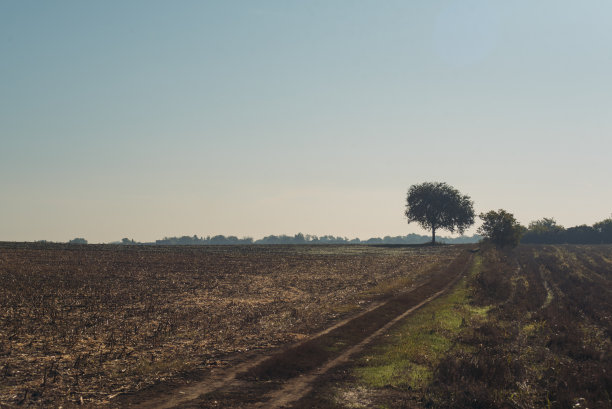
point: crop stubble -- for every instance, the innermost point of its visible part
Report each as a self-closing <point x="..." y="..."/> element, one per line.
<point x="544" y="341"/>
<point x="81" y="324"/>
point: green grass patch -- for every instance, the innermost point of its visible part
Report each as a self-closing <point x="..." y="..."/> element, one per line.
<point x="532" y="329"/>
<point x="410" y="353"/>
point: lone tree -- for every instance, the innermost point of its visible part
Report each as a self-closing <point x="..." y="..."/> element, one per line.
<point x="501" y="228"/>
<point x="436" y="205"/>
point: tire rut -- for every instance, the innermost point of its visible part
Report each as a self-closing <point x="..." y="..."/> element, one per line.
<point x="279" y="379"/>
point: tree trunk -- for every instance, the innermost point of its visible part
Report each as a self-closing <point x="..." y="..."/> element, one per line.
<point x="433" y="235"/>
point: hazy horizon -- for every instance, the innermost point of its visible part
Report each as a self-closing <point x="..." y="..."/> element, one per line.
<point x="308" y="237"/>
<point x="147" y="119"/>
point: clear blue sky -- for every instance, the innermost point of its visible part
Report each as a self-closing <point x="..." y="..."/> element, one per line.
<point x="146" y="119"/>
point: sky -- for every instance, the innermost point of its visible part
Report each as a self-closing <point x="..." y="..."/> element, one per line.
<point x="145" y="119"/>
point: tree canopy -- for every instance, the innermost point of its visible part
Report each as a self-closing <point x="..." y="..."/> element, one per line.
<point x="78" y="240"/>
<point x="436" y="205"/>
<point x="604" y="229"/>
<point x="501" y="228"/>
<point x="547" y="231"/>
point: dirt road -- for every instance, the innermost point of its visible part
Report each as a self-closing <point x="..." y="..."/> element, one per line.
<point x="279" y="379"/>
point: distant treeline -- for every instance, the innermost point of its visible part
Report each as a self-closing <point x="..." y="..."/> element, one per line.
<point x="304" y="239"/>
<point x="544" y="231"/>
<point x="547" y="231"/>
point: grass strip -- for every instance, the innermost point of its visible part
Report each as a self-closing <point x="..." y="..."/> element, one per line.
<point x="409" y="354"/>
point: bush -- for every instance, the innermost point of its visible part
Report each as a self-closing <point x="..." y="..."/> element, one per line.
<point x="501" y="228"/>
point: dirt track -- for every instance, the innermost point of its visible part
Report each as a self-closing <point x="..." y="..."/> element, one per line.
<point x="279" y="379"/>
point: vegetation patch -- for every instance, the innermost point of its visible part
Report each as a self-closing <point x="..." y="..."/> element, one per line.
<point x="410" y="354"/>
<point x="529" y="327"/>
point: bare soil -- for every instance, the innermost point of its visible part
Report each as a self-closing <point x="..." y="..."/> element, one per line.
<point x="282" y="378"/>
<point x="546" y="341"/>
<point x="94" y="325"/>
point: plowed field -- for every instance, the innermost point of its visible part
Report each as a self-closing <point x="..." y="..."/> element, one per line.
<point x="530" y="327"/>
<point x="86" y="324"/>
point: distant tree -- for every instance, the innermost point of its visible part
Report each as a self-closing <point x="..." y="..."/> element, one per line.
<point x="218" y="239"/>
<point x="272" y="239"/>
<point x="435" y="205"/>
<point x="78" y="240"/>
<point x="582" y="234"/>
<point x="125" y="240"/>
<point x="604" y="230"/>
<point x="185" y="240"/>
<point x="545" y="230"/>
<point x="500" y="228"/>
<point x="545" y="224"/>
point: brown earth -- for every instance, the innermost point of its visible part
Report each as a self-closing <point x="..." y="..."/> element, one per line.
<point x="546" y="341"/>
<point x="277" y="380"/>
<point x="90" y="325"/>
